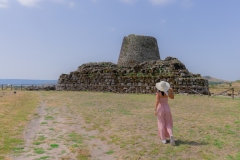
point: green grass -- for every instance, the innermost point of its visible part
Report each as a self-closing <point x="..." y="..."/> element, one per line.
<point x="39" y="150"/>
<point x="43" y="158"/>
<point x="48" y="118"/>
<point x="18" y="150"/>
<point x="78" y="146"/>
<point x="14" y="114"/>
<point x="92" y="137"/>
<point x="37" y="143"/>
<point x="76" y="138"/>
<point x="54" y="145"/>
<point x="110" y="152"/>
<point x="41" y="138"/>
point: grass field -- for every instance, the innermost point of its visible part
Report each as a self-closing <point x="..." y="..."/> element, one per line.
<point x="218" y="88"/>
<point x="15" y="112"/>
<point x="205" y="128"/>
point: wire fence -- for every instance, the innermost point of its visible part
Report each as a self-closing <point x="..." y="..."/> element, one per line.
<point x="230" y="92"/>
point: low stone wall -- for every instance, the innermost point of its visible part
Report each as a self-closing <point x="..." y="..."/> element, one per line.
<point x="40" y="88"/>
<point x="111" y="83"/>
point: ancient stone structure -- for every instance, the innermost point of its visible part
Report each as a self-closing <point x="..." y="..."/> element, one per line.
<point x="137" y="49"/>
<point x="141" y="78"/>
<point x="145" y="71"/>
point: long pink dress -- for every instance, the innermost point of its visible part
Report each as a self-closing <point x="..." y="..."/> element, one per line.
<point x="164" y="116"/>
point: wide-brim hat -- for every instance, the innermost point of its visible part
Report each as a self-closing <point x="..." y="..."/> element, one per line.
<point x="163" y="86"/>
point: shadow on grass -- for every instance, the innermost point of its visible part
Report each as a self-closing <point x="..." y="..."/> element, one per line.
<point x="192" y="143"/>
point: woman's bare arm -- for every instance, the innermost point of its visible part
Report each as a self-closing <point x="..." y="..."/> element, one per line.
<point x="170" y="93"/>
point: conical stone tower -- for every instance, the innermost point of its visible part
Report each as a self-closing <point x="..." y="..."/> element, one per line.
<point x="137" y="49"/>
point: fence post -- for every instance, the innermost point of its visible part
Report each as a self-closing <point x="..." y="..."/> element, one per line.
<point x="2" y="86"/>
<point x="21" y="87"/>
<point x="232" y="93"/>
<point x="11" y="87"/>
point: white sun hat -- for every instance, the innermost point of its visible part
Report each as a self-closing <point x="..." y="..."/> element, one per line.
<point x="163" y="86"/>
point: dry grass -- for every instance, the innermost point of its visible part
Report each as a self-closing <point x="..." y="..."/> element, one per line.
<point x="226" y="89"/>
<point x="226" y="86"/>
<point x="79" y="146"/>
<point x="14" y="113"/>
<point x="206" y="128"/>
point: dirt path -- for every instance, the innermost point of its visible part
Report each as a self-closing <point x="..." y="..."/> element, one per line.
<point x="56" y="133"/>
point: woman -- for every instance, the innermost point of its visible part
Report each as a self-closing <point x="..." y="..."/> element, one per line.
<point x="163" y="112"/>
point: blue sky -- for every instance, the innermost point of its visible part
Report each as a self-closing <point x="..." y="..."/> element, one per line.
<point x="41" y="39"/>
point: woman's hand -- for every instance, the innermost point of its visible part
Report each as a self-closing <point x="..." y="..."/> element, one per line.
<point x="155" y="112"/>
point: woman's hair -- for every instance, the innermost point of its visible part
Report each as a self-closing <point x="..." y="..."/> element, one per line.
<point x="161" y="92"/>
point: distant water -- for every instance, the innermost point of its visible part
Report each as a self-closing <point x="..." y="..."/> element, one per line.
<point x="26" y="81"/>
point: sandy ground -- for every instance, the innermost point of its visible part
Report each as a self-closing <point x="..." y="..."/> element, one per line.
<point x="47" y="136"/>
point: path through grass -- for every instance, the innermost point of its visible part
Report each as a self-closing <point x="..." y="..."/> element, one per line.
<point x="205" y="128"/>
<point x="14" y="114"/>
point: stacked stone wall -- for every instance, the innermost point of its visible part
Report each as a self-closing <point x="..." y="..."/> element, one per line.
<point x="137" y="49"/>
<point x="109" y="77"/>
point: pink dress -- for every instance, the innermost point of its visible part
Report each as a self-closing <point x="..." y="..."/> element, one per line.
<point x="164" y="116"/>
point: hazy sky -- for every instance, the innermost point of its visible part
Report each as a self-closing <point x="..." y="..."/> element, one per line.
<point x="41" y="39"/>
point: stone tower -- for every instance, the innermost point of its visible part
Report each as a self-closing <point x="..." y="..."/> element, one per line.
<point x="136" y="49"/>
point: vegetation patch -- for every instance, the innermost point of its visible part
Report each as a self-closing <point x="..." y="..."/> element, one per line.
<point x="48" y="118"/>
<point x="43" y="158"/>
<point x="37" y="143"/>
<point x="39" y="150"/>
<point x="76" y="138"/>
<point x="110" y="152"/>
<point x="54" y="145"/>
<point x="15" y="111"/>
<point x="41" y="138"/>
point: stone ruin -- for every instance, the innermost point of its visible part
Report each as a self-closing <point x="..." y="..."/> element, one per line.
<point x="137" y="49"/>
<point x="139" y="68"/>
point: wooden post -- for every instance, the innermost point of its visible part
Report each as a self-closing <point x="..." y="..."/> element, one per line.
<point x="21" y="87"/>
<point x="11" y="87"/>
<point x="2" y="86"/>
<point x="232" y="93"/>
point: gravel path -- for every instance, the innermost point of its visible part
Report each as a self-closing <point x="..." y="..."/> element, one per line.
<point x="56" y="133"/>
